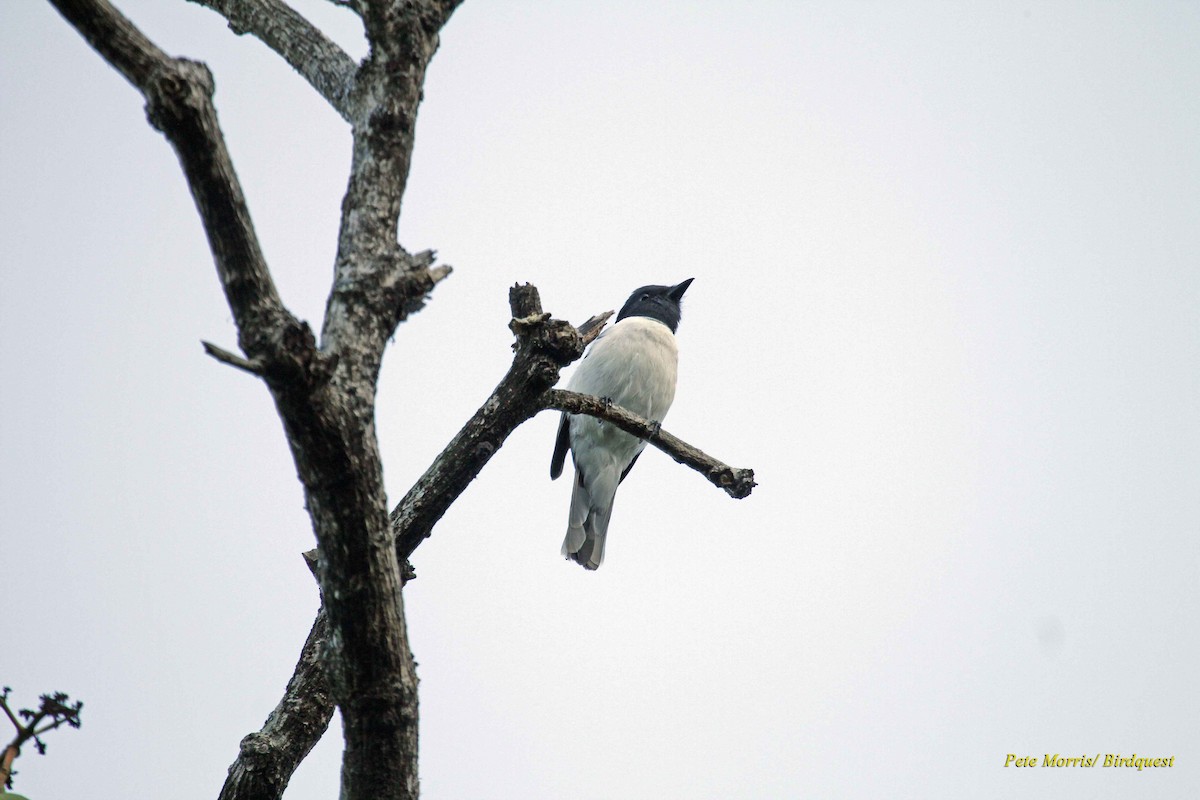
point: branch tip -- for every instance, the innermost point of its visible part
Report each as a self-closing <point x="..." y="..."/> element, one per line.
<point x="590" y="329"/>
<point x="253" y="366"/>
<point x="524" y="300"/>
<point x="735" y="481"/>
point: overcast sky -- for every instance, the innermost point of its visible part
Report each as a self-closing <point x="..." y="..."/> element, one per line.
<point x="947" y="276"/>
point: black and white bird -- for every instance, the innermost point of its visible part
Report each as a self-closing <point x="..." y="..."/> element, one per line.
<point x="633" y="364"/>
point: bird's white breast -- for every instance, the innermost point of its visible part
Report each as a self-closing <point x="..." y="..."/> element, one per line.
<point x="635" y="363"/>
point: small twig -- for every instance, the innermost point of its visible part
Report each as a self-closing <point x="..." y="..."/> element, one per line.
<point x="440" y="273"/>
<point x="50" y="727"/>
<point x="232" y="359"/>
<point x="4" y="705"/>
<point x="737" y="482"/>
<point x="593" y="327"/>
<point x="416" y="282"/>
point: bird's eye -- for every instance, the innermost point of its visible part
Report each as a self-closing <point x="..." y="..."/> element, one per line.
<point x="645" y="296"/>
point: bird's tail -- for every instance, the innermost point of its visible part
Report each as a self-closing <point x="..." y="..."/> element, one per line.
<point x="587" y="528"/>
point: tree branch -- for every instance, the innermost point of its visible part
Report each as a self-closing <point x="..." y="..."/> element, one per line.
<point x="266" y="759"/>
<point x="116" y="39"/>
<point x="389" y="23"/>
<point x="544" y="346"/>
<point x="737" y="482"/>
<point x="374" y="277"/>
<point x="178" y="96"/>
<point x="8" y="712"/>
<point x="322" y="63"/>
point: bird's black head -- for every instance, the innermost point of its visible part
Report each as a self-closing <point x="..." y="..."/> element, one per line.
<point x="656" y="302"/>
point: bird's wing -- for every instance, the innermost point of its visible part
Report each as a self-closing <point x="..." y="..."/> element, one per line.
<point x="631" y="463"/>
<point x="561" y="445"/>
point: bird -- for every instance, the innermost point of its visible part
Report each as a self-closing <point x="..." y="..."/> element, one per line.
<point x="634" y="365"/>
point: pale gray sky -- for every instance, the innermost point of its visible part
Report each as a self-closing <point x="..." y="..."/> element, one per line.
<point x="947" y="270"/>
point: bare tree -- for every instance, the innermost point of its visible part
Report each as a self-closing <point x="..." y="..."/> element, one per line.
<point x="357" y="656"/>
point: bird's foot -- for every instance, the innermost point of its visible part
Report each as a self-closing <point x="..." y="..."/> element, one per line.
<point x="607" y="402"/>
<point x="655" y="428"/>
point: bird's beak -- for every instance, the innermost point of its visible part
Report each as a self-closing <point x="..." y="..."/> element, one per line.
<point x="678" y="289"/>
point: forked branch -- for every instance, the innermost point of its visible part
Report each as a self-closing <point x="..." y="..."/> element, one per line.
<point x="55" y="709"/>
<point x="544" y="346"/>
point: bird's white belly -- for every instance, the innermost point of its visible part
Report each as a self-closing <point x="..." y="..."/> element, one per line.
<point x="634" y="364"/>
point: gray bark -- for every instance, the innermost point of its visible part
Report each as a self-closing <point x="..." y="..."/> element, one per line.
<point x="324" y="395"/>
<point x="268" y="757"/>
<point x="322" y="63"/>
